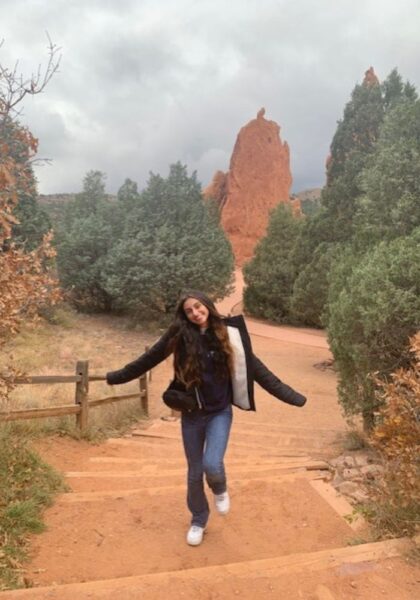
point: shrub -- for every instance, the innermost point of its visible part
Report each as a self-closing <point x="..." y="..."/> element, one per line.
<point x="396" y="495"/>
<point x="373" y="310"/>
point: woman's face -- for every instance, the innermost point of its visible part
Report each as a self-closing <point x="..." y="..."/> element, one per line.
<point x="196" y="312"/>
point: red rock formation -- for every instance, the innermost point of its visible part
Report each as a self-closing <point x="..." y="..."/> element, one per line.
<point x="370" y="78"/>
<point x="258" y="180"/>
<point x="217" y="189"/>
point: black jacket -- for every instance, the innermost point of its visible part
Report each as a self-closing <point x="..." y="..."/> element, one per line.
<point x="248" y="368"/>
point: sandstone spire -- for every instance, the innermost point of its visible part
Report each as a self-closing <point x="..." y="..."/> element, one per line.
<point x="258" y="179"/>
<point x="370" y="78"/>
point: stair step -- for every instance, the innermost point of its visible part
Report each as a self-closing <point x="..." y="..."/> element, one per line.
<point x="339" y="504"/>
<point x="155" y="448"/>
<point x="145" y="533"/>
<point x="73" y="497"/>
<point x="161" y="462"/>
<point x="95" y="481"/>
<point x="254" y="429"/>
<point x="236" y="439"/>
<point x="233" y="469"/>
<point x="144" y="445"/>
<point x="240" y="578"/>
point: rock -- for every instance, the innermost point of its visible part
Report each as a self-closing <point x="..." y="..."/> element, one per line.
<point x="349" y="461"/>
<point x="350" y="473"/>
<point x="347" y="487"/>
<point x="370" y="79"/>
<point x="259" y="178"/>
<point x="359" y="496"/>
<point x="217" y="190"/>
<point x="371" y="471"/>
<point x="338" y="462"/>
<point x="337" y="480"/>
<point x="361" y="460"/>
<point x="325" y="364"/>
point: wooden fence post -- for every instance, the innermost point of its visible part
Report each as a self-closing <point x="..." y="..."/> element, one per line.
<point x="144" y="394"/>
<point x="146" y="348"/>
<point x="82" y="390"/>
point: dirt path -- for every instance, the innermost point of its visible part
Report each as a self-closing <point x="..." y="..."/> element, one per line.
<point x="120" y="531"/>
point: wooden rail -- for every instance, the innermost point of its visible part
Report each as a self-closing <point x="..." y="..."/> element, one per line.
<point x="82" y="403"/>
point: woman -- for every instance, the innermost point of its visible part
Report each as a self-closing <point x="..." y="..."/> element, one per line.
<point x="213" y="359"/>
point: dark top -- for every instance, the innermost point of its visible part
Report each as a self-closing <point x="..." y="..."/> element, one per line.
<point x="215" y="391"/>
<point x="255" y="369"/>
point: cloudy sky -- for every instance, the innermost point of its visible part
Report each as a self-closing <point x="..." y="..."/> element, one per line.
<point x="144" y="83"/>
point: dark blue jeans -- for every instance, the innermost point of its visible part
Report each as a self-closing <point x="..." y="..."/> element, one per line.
<point x="205" y="437"/>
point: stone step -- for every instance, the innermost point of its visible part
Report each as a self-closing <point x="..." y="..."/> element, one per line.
<point x="146" y="486"/>
<point x="310" y="574"/>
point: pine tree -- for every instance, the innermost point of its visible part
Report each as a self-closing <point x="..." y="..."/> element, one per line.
<point x="170" y="243"/>
<point x="128" y="195"/>
<point x="352" y="144"/>
<point x="83" y="242"/>
<point x="310" y="288"/>
<point x="390" y="206"/>
<point x="338" y="223"/>
<point x="374" y="308"/>
<point x="269" y="275"/>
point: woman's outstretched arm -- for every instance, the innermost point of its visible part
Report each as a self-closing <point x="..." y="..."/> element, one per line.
<point x="152" y="357"/>
<point x="274" y="386"/>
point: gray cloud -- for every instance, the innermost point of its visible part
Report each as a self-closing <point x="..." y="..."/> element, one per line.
<point x="143" y="84"/>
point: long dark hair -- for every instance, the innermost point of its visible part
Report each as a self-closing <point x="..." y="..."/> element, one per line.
<point x="187" y="347"/>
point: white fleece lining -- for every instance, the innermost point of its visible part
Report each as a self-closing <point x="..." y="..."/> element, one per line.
<point x="239" y="379"/>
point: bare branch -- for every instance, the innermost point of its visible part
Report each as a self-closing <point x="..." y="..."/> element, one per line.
<point x="40" y="161"/>
<point x="13" y="86"/>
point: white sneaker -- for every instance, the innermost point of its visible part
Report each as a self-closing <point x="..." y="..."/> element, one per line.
<point x="222" y="503"/>
<point x="195" y="535"/>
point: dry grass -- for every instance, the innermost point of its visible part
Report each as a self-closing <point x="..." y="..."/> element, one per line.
<point x="54" y="349"/>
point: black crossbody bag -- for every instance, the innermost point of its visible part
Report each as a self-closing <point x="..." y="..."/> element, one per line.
<point x="181" y="399"/>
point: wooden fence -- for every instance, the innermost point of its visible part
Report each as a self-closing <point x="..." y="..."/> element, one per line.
<point x="82" y="403"/>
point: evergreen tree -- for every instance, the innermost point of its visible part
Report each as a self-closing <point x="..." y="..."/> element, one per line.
<point x="83" y="242"/>
<point x="391" y="204"/>
<point x="310" y="288"/>
<point x="374" y="308"/>
<point x="394" y="90"/>
<point x="352" y="144"/>
<point x="33" y="224"/>
<point x="170" y="243"/>
<point x="353" y="148"/>
<point x="90" y="200"/>
<point x="128" y="195"/>
<point x="269" y="275"/>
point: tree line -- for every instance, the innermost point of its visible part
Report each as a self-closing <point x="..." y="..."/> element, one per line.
<point x="353" y="267"/>
<point x="136" y="254"/>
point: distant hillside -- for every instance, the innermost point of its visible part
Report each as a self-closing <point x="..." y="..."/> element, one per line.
<point x="309" y="200"/>
<point x="54" y="204"/>
<point x="311" y="194"/>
